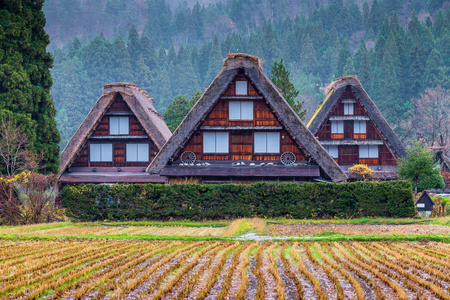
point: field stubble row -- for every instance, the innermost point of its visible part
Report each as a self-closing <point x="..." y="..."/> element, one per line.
<point x="224" y="270"/>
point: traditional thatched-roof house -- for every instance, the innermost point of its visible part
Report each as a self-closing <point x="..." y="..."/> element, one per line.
<point x="444" y="163"/>
<point x="352" y="129"/>
<point x="243" y="129"/>
<point x="117" y="140"/>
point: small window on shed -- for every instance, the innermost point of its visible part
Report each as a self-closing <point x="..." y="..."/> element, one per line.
<point x="241" y="87"/>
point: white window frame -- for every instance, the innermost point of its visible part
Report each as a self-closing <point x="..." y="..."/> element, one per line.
<point x="141" y="152"/>
<point x="337" y="127"/>
<point x="240" y="110"/>
<point x="241" y="85"/>
<point x="122" y="124"/>
<point x="267" y="142"/>
<point x="359" y="126"/>
<point x="349" y="109"/>
<point x="216" y="142"/>
<point x="103" y="155"/>
<point x="368" y="151"/>
<point x="333" y="150"/>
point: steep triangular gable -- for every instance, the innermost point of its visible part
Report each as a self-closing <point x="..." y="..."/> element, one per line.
<point x="248" y="65"/>
<point x="241" y="142"/>
<point x="136" y="100"/>
<point x="333" y="95"/>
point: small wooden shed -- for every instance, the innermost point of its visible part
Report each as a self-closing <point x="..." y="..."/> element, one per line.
<point x="425" y="205"/>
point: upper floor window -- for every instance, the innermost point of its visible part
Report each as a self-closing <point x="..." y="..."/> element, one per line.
<point x="241" y="87"/>
<point x="332" y="150"/>
<point x="348" y="108"/>
<point x="119" y="125"/>
<point x="137" y="152"/>
<point x="337" y="126"/>
<point x="240" y="110"/>
<point x="368" y="151"/>
<point x="101" y="152"/>
<point x="267" y="142"/>
<point x="359" y="126"/>
<point x="215" y="142"/>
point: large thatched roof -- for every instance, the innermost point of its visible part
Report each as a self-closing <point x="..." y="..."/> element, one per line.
<point x="251" y="67"/>
<point x="333" y="93"/>
<point x="140" y="104"/>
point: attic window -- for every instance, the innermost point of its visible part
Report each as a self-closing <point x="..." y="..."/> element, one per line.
<point x="240" y="110"/>
<point x="119" y="125"/>
<point x="101" y="152"/>
<point x="359" y="126"/>
<point x="348" y="108"/>
<point x="332" y="150"/>
<point x="368" y="151"/>
<point x="241" y="87"/>
<point x="267" y="142"/>
<point x="137" y="152"/>
<point x="215" y="142"/>
<point x="337" y="126"/>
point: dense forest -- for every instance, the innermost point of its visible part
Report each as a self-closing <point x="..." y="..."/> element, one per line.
<point x="397" y="48"/>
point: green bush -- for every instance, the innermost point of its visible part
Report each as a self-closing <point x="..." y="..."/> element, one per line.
<point x="199" y="202"/>
<point x="434" y="181"/>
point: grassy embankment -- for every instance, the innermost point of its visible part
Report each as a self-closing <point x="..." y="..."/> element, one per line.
<point x="215" y="230"/>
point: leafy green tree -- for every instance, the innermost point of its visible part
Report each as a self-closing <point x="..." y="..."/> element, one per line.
<point x="280" y="77"/>
<point x="25" y="79"/>
<point x="178" y="109"/>
<point x="418" y="164"/>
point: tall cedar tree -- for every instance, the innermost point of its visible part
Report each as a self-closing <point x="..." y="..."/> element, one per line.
<point x="25" y="78"/>
<point x="280" y="77"/>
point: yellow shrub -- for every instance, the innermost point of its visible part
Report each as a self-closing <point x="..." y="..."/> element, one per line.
<point x="361" y="171"/>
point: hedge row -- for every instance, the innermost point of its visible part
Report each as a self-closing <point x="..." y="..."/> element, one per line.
<point x="199" y="202"/>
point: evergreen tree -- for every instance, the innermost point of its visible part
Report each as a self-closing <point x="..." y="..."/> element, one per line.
<point x="362" y="65"/>
<point x="148" y="53"/>
<point x="162" y="90"/>
<point x="133" y="45"/>
<point x="280" y="77"/>
<point x="215" y="62"/>
<point x="349" y="69"/>
<point x="178" y="109"/>
<point x="25" y="79"/>
<point x="122" y="70"/>
<point x="344" y="54"/>
<point x="308" y="56"/>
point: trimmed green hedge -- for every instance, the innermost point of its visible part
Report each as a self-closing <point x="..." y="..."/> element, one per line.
<point x="199" y="202"/>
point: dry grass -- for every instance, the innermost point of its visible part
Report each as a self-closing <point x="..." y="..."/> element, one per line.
<point x="198" y="270"/>
<point x="307" y="229"/>
<point x="242" y="226"/>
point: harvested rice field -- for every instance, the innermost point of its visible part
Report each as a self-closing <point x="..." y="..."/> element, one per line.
<point x="311" y="229"/>
<point x="82" y="231"/>
<point x="106" y="269"/>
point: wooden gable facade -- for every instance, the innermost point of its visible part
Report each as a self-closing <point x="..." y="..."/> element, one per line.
<point x="117" y="140"/>
<point x="242" y="127"/>
<point x="353" y="131"/>
<point x="241" y="133"/>
<point x="136" y="135"/>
